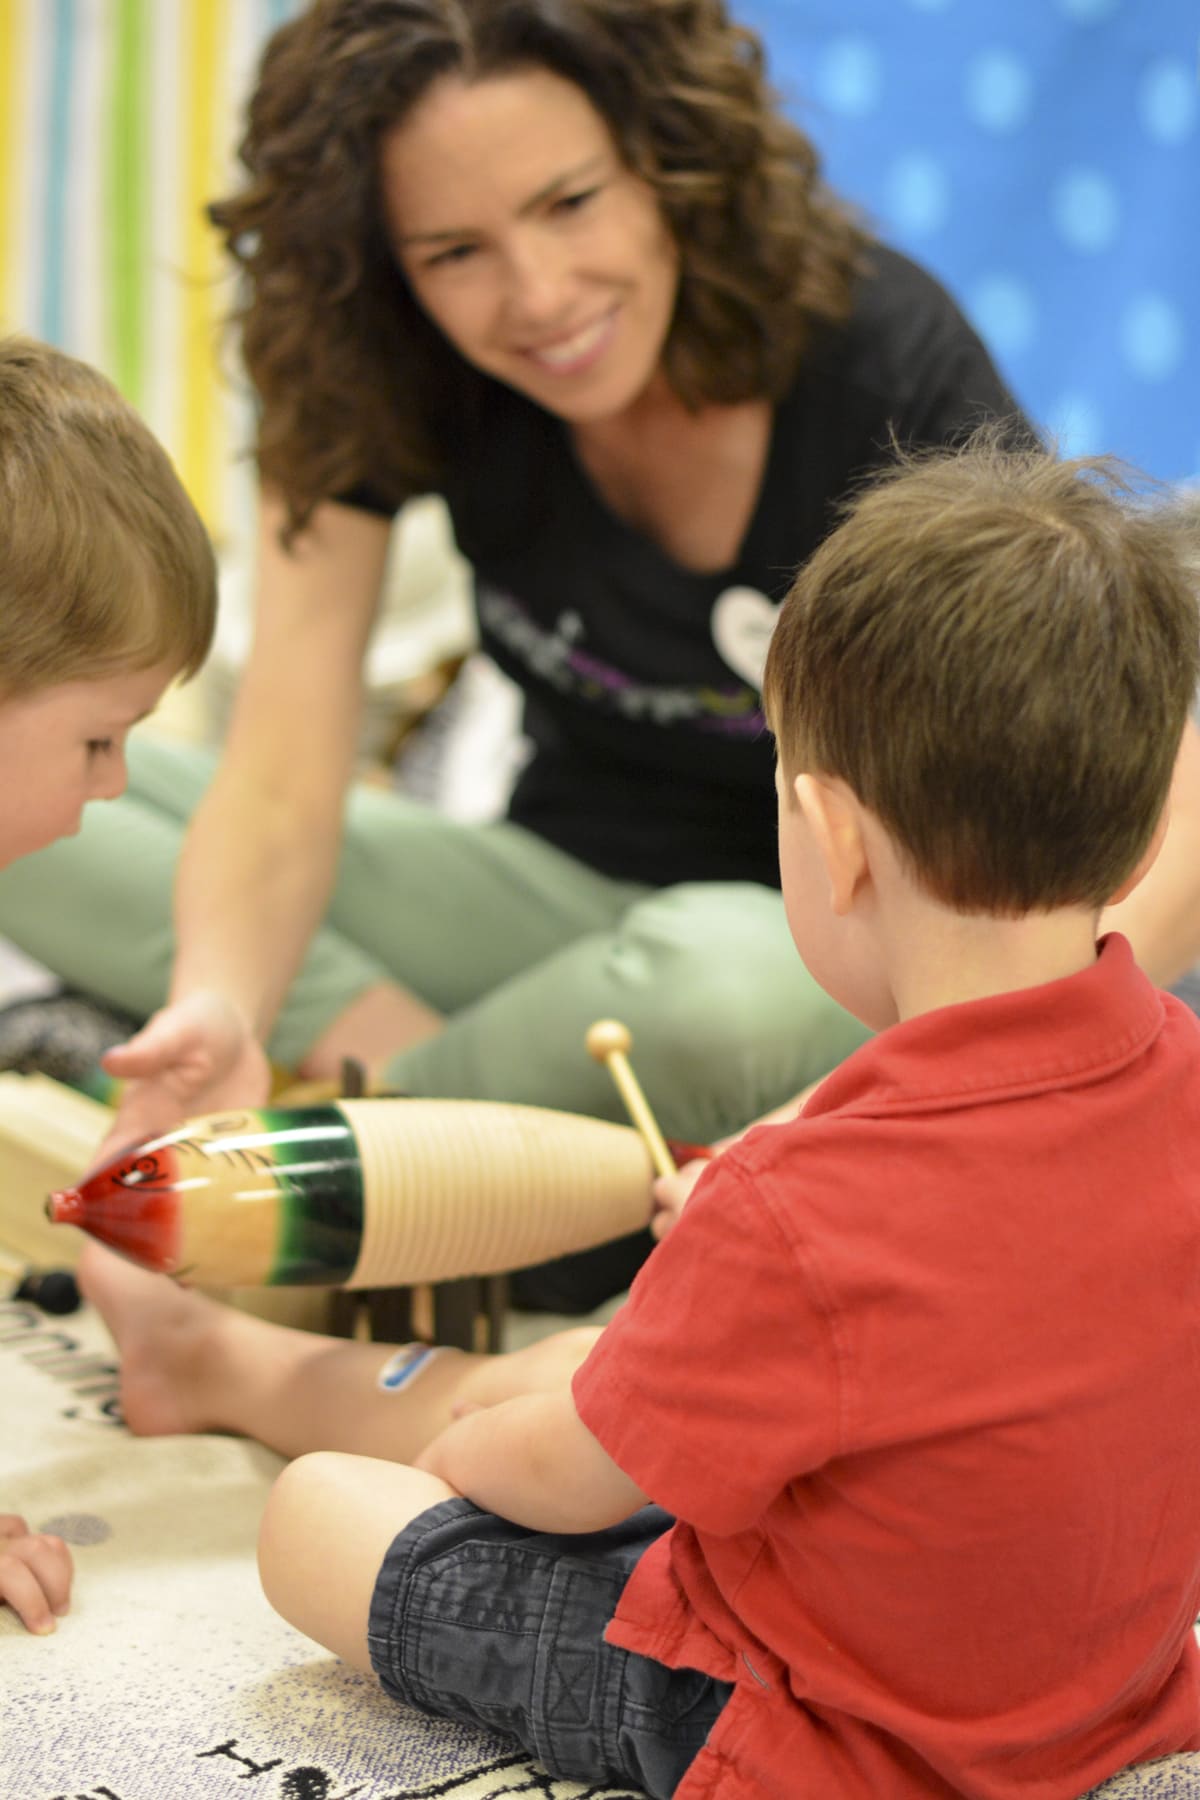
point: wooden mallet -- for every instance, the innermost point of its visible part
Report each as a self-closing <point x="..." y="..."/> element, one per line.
<point x="610" y="1042"/>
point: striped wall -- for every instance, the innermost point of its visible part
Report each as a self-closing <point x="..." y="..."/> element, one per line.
<point x="118" y="121"/>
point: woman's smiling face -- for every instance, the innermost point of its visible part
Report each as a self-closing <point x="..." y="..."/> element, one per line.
<point x="541" y="257"/>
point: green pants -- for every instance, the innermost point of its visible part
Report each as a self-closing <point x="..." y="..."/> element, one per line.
<point x="520" y="946"/>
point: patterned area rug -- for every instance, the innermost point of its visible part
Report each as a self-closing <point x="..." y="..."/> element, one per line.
<point x="171" y="1678"/>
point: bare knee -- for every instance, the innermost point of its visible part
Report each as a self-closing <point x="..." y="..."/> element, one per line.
<point x="545" y="1366"/>
<point x="571" y="1348"/>
<point x="548" y="1365"/>
<point x="326" y="1529"/>
<point x="726" y="1021"/>
<point x="295" y="1507"/>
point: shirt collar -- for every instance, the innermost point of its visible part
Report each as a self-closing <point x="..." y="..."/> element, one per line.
<point x="1060" y="1034"/>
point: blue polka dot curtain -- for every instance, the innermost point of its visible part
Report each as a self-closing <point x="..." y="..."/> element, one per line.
<point x="1043" y="158"/>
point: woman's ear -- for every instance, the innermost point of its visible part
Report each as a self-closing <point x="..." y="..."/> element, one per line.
<point x="1146" y="860"/>
<point x="834" y="817"/>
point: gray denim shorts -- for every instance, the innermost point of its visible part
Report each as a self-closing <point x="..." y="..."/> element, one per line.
<point x="479" y="1620"/>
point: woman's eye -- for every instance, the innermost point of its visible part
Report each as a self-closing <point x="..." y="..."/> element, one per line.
<point x="99" y="746"/>
<point x="457" y="253"/>
<point x="573" y="202"/>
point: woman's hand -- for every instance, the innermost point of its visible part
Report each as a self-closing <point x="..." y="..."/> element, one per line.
<point x="258" y="861"/>
<point x="197" y="1055"/>
<point x="35" y="1574"/>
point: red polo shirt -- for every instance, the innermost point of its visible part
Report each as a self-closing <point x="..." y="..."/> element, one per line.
<point x="919" y="1376"/>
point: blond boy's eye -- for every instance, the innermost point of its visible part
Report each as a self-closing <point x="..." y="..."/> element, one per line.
<point x="99" y="746"/>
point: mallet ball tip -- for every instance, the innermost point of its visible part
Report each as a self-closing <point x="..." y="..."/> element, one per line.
<point x="608" y="1037"/>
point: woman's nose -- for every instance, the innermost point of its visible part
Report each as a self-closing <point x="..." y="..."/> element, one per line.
<point x="539" y="283"/>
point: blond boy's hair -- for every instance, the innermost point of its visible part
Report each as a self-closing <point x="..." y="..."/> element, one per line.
<point x="104" y="564"/>
<point x="996" y="650"/>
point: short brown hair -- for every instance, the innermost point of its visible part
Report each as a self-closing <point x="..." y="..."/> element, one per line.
<point x="104" y="563"/>
<point x="355" y="383"/>
<point x="997" y="650"/>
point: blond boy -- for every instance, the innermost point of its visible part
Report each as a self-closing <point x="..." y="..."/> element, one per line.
<point x="107" y="594"/>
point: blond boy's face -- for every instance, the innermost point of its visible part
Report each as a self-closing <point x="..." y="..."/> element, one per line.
<point x="65" y="746"/>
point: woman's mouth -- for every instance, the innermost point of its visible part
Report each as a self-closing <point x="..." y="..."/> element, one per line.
<point x="570" y="355"/>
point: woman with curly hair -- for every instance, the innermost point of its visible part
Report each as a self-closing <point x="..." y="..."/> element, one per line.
<point x="565" y="263"/>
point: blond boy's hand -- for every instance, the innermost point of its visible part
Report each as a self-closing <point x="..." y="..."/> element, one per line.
<point x="35" y="1574"/>
<point x="195" y="1056"/>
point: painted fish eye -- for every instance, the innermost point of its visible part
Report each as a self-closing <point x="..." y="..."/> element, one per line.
<point x="146" y="1168"/>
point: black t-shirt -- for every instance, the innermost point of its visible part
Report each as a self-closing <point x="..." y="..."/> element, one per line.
<point x="651" y="760"/>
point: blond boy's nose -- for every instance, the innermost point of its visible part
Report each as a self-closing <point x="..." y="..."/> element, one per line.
<point x="114" y="778"/>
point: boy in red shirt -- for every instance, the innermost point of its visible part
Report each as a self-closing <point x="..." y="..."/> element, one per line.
<point x="916" y="1375"/>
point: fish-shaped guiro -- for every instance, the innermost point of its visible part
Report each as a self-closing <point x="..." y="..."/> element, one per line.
<point x="365" y="1193"/>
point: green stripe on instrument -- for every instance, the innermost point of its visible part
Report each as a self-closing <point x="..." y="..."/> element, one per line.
<point x="315" y="1153"/>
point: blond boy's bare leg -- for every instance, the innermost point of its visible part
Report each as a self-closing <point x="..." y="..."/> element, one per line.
<point x="190" y="1363"/>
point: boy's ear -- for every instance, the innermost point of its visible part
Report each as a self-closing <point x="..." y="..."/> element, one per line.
<point x="833" y="817"/>
<point x="1146" y="860"/>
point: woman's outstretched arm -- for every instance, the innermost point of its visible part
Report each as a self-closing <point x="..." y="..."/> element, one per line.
<point x="259" y="859"/>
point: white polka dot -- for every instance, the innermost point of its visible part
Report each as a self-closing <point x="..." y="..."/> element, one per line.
<point x="917" y="194"/>
<point x="998" y="90"/>
<point x="1076" y="425"/>
<point x="1088" y="10"/>
<point x="1167" y="100"/>
<point x="850" y="76"/>
<point x="1153" y="337"/>
<point x="1005" y="312"/>
<point x="1085" y="210"/>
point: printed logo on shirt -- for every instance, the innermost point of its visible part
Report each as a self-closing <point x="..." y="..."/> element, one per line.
<point x="558" y="658"/>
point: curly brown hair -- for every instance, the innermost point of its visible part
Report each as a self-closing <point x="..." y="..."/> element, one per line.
<point x="354" y="382"/>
